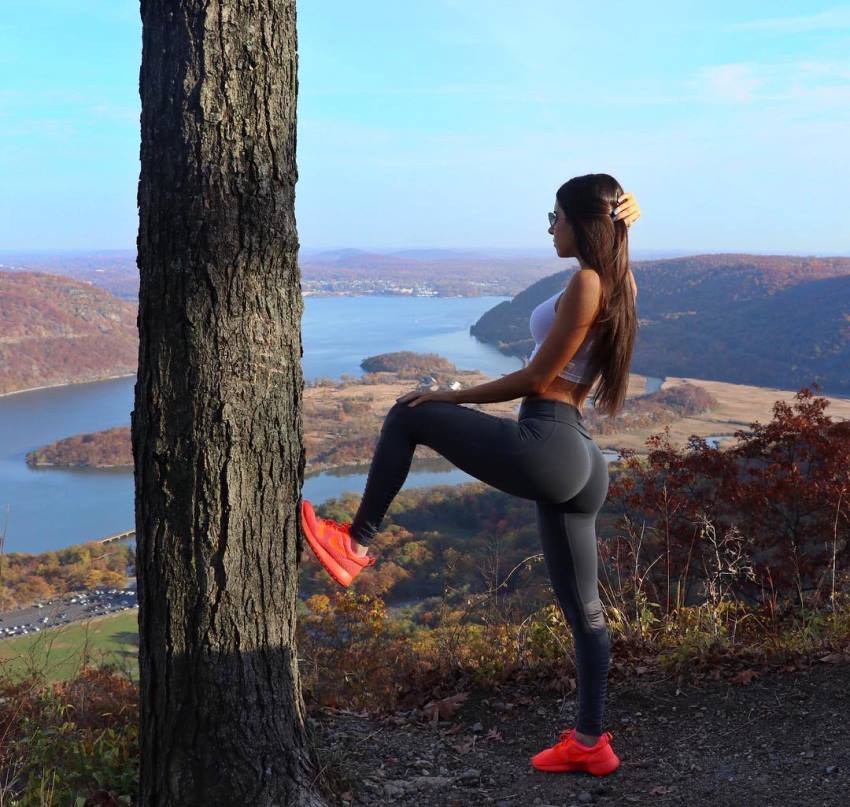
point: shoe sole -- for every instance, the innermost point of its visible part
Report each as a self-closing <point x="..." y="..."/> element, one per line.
<point x="596" y="770"/>
<point x="324" y="557"/>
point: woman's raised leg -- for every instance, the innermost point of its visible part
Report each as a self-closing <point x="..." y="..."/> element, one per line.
<point x="483" y="445"/>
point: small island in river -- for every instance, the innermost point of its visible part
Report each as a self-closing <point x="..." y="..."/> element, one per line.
<point x="105" y="449"/>
<point x="342" y="417"/>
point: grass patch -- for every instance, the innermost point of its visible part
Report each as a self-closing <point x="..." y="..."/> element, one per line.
<point x="60" y="652"/>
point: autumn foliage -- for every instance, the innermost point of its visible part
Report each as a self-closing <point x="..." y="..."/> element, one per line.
<point x="778" y="504"/>
<point x="58" y="741"/>
<point x="26" y="578"/>
<point x="57" y="330"/>
<point x="110" y="447"/>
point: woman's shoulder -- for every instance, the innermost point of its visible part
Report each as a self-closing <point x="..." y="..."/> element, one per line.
<point x="584" y="283"/>
<point x="589" y="276"/>
<point x="588" y="281"/>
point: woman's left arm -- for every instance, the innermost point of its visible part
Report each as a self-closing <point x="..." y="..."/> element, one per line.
<point x="507" y="388"/>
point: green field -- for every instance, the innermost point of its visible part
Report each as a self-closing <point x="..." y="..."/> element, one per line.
<point x="59" y="651"/>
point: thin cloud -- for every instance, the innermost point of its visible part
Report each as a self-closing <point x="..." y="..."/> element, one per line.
<point x="736" y="83"/>
<point x="832" y="20"/>
<point x="824" y="83"/>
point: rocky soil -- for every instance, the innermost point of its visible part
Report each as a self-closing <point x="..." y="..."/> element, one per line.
<point x="780" y="740"/>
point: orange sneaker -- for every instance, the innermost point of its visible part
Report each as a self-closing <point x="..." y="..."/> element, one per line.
<point x="568" y="754"/>
<point x="331" y="542"/>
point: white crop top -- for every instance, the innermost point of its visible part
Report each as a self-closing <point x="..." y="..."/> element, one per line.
<point x="540" y="322"/>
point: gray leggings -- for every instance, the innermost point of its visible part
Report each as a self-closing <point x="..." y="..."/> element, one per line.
<point x="546" y="455"/>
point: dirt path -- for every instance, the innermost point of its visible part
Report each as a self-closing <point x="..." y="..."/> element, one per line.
<point x="783" y="740"/>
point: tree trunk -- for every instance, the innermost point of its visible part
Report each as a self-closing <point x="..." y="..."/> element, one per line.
<point x="216" y="430"/>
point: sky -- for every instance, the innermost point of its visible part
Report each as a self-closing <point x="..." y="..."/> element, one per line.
<point x="451" y="123"/>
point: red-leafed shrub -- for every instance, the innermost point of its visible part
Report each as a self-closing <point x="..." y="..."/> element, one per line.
<point x="768" y="518"/>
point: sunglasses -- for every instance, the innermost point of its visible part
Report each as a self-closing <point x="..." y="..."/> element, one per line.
<point x="553" y="217"/>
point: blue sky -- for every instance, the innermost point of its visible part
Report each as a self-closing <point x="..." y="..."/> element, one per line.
<point x="450" y="123"/>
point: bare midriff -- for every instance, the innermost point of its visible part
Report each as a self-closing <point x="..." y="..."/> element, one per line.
<point x="561" y="389"/>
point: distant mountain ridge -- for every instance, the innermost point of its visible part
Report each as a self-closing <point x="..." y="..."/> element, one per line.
<point x="432" y="271"/>
<point x="55" y="330"/>
<point x="112" y="269"/>
<point x="774" y="321"/>
<point x="436" y="272"/>
<point x="766" y="320"/>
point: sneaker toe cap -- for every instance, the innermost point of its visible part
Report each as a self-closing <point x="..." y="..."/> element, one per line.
<point x="546" y="759"/>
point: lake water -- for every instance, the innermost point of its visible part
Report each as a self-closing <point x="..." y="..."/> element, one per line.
<point x="42" y="509"/>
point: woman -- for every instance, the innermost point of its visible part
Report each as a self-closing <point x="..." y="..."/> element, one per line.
<point x="546" y="455"/>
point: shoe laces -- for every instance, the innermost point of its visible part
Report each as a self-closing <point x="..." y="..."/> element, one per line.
<point x="565" y="735"/>
<point x="346" y="527"/>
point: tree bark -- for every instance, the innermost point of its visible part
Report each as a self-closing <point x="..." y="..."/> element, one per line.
<point x="216" y="430"/>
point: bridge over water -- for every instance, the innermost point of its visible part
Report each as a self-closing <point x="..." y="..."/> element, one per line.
<point x="119" y="536"/>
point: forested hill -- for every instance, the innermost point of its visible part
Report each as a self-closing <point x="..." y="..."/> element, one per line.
<point x="767" y="320"/>
<point x="55" y="330"/>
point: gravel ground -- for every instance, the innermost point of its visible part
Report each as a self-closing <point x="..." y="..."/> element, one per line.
<point x="781" y="740"/>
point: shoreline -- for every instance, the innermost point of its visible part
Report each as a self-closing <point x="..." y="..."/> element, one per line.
<point x="72" y="384"/>
<point x="346" y="469"/>
<point x="73" y="467"/>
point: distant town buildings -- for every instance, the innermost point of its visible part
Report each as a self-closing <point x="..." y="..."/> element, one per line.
<point x="432" y="384"/>
<point x="365" y="286"/>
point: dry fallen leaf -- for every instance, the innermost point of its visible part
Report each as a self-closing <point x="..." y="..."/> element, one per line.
<point x="494" y="734"/>
<point x="744" y="677"/>
<point x="465" y="746"/>
<point x="445" y="708"/>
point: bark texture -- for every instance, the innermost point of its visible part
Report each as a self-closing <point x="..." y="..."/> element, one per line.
<point x="216" y="430"/>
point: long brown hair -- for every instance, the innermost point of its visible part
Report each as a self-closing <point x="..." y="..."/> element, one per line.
<point x="603" y="244"/>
